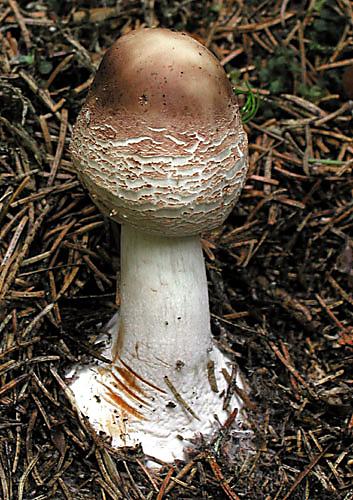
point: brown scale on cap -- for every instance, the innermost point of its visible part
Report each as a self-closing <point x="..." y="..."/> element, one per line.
<point x="159" y="142"/>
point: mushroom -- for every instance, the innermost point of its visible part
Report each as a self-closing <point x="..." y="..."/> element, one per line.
<point x="160" y="146"/>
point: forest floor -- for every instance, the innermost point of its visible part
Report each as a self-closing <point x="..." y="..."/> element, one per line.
<point x="280" y="269"/>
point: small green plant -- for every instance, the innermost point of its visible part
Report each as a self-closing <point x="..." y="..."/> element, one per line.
<point x="279" y="71"/>
<point x="27" y="59"/>
<point x="311" y="92"/>
<point x="318" y="5"/>
<point x="252" y="103"/>
<point x="325" y="31"/>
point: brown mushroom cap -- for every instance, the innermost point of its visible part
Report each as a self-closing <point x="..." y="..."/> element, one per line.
<point x="159" y="142"/>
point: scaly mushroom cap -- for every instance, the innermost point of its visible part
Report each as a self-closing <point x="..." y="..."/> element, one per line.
<point x="159" y="142"/>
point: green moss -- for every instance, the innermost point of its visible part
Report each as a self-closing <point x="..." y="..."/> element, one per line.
<point x="325" y="31"/>
<point x="279" y="72"/>
<point x="312" y="92"/>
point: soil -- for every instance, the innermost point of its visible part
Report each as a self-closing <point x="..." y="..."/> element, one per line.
<point x="280" y="269"/>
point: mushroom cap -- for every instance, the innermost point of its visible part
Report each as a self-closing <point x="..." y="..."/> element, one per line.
<point x="159" y="142"/>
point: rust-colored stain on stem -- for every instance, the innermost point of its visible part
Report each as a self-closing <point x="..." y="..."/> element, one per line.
<point x="123" y="405"/>
<point x="129" y="379"/>
<point x="129" y="391"/>
<point x="118" y="344"/>
<point x="139" y="376"/>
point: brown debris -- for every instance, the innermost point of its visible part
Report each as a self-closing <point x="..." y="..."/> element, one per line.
<point x="280" y="269"/>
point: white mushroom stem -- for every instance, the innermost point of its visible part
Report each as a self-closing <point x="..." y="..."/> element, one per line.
<point x="164" y="314"/>
<point x="168" y="382"/>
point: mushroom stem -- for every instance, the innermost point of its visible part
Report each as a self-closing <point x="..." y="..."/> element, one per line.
<point x="164" y="313"/>
<point x="167" y="382"/>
